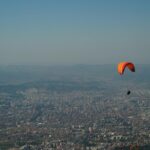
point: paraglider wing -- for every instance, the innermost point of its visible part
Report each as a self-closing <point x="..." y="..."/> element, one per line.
<point x="123" y="65"/>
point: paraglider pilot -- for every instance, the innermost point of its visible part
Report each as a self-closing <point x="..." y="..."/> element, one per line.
<point x="121" y="68"/>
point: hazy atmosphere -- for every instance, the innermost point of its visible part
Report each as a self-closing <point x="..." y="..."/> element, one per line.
<point x="74" y="32"/>
<point x="74" y="74"/>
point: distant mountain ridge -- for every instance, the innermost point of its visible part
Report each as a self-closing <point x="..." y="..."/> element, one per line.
<point x="22" y="74"/>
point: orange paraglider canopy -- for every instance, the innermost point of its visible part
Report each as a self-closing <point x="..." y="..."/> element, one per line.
<point x="122" y="66"/>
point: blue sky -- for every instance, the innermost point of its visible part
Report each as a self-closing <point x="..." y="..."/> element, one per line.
<point x="74" y="31"/>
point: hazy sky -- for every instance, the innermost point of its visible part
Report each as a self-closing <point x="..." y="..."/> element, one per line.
<point x="74" y="31"/>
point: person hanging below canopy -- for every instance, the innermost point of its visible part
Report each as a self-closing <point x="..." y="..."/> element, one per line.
<point x="121" y="68"/>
